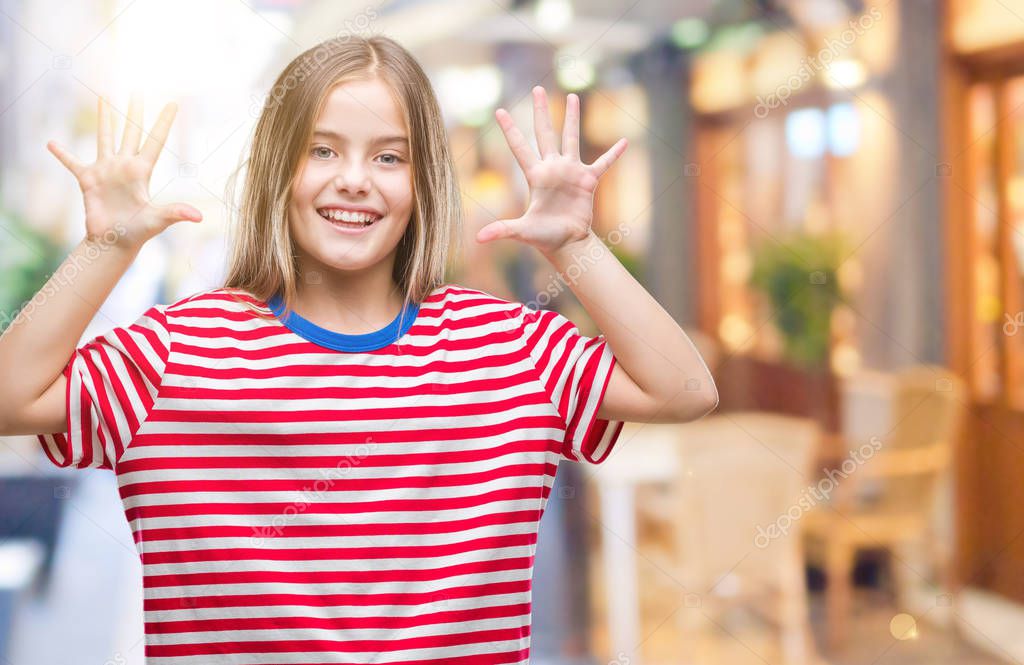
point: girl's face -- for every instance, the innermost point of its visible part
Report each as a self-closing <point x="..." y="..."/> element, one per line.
<point x="357" y="161"/>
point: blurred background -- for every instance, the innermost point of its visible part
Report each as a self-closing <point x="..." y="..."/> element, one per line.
<point x="828" y="195"/>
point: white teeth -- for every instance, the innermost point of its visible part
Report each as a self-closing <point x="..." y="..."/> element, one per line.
<point x="346" y="216"/>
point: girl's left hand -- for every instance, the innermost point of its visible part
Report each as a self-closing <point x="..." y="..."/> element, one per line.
<point x="561" y="207"/>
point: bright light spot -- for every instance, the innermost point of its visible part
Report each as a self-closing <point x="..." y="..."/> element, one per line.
<point x="735" y="331"/>
<point x="805" y="133"/>
<point x="574" y="73"/>
<point x="553" y="15"/>
<point x="845" y="359"/>
<point x="903" y="627"/>
<point x="470" y="93"/>
<point x="843" y="129"/>
<point x="846" y="73"/>
<point x="689" y="33"/>
<point x="151" y="57"/>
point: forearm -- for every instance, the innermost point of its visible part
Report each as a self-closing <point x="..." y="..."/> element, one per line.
<point x="647" y="342"/>
<point x="37" y="344"/>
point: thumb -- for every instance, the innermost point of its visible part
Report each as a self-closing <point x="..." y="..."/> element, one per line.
<point x="177" y="212"/>
<point x="496" y="230"/>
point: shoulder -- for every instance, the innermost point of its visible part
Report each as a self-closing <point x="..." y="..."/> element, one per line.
<point x="218" y="303"/>
<point x="457" y="294"/>
<point x="497" y="316"/>
<point x="463" y="302"/>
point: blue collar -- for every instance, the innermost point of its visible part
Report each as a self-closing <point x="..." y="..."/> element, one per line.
<point x="370" y="341"/>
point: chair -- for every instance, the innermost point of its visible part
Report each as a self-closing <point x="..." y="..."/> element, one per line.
<point x="740" y="474"/>
<point x="886" y="488"/>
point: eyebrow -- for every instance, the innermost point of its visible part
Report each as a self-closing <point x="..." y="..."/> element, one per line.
<point x="380" y="139"/>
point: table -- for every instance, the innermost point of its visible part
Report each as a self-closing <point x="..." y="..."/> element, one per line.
<point x="645" y="453"/>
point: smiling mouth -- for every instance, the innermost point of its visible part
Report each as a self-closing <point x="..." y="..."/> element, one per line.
<point x="350" y="220"/>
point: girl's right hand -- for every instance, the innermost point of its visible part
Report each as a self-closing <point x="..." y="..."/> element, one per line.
<point x="116" y="186"/>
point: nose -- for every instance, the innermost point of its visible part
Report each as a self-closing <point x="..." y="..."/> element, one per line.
<point x="352" y="178"/>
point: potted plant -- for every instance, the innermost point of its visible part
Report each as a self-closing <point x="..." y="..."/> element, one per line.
<point x="27" y="259"/>
<point x="798" y="277"/>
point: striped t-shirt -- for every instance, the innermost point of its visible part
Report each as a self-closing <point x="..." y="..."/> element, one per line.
<point x="297" y="495"/>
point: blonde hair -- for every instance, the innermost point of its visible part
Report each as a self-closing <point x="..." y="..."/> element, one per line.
<point x="262" y="260"/>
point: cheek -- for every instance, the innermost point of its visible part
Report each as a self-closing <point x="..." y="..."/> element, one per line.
<point x="301" y="196"/>
<point x="396" y="185"/>
<point x="301" y="184"/>
<point x="310" y="182"/>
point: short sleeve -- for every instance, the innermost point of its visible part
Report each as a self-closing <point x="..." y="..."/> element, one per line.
<point x="574" y="370"/>
<point x="112" y="383"/>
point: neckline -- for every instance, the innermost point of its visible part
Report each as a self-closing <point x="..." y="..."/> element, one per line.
<point x="371" y="341"/>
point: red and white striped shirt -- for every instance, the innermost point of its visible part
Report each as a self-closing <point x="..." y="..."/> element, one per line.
<point x="301" y="496"/>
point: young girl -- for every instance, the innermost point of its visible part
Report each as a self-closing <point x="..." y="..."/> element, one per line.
<point x="336" y="457"/>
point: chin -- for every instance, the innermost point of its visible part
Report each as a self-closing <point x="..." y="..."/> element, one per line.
<point x="343" y="260"/>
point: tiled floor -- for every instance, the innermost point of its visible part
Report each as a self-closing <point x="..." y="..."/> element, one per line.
<point x="871" y="640"/>
<point x="747" y="640"/>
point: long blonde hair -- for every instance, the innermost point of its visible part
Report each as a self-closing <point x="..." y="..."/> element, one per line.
<point x="262" y="260"/>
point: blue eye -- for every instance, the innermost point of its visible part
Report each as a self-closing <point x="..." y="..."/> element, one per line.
<point x="314" y="151"/>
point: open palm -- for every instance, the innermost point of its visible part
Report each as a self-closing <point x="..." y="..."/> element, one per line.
<point x="115" y="188"/>
<point x="561" y="207"/>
